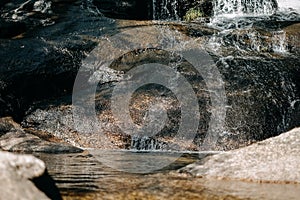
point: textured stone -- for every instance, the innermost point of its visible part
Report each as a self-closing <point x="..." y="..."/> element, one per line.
<point x="19" y="141"/>
<point x="17" y="174"/>
<point x="14" y="138"/>
<point x="273" y="160"/>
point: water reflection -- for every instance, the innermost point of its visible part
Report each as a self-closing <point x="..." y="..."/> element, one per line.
<point x="81" y="176"/>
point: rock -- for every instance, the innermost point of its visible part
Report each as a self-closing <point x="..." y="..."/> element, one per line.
<point x="262" y="96"/>
<point x="14" y="138"/>
<point x="21" y="177"/>
<point x="44" y="62"/>
<point x="19" y="141"/>
<point x="126" y="9"/>
<point x="293" y="37"/>
<point x="58" y="122"/>
<point x="275" y="160"/>
<point x="262" y="89"/>
<point x="259" y="106"/>
<point x="177" y="10"/>
<point x="11" y="29"/>
<point x="148" y="9"/>
<point x="7" y="124"/>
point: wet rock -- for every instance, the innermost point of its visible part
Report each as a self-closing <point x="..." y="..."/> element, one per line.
<point x="58" y="122"/>
<point x="19" y="141"/>
<point x="177" y="10"/>
<point x="262" y="89"/>
<point x="7" y="124"/>
<point x="258" y="107"/>
<point x="11" y="29"/>
<point x="293" y="37"/>
<point x="21" y="177"/>
<point x="148" y="9"/>
<point x="273" y="160"/>
<point x="43" y="62"/>
<point x="125" y="9"/>
<point x="262" y="97"/>
<point x="14" y="138"/>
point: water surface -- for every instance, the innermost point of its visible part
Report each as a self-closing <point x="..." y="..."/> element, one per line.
<point x="81" y="176"/>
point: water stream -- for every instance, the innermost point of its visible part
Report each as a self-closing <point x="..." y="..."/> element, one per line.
<point x="165" y="10"/>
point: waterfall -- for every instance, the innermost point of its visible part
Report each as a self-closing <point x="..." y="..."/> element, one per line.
<point x="289" y="4"/>
<point x="165" y="10"/>
<point x="233" y="8"/>
<point x="279" y="43"/>
<point x="145" y="143"/>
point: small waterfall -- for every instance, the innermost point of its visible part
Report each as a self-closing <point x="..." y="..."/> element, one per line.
<point x="279" y="43"/>
<point x="235" y="19"/>
<point x="233" y="8"/>
<point x="165" y="10"/>
<point x="145" y="143"/>
<point x="289" y="4"/>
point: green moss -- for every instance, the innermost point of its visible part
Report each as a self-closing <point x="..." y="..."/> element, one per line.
<point x="192" y="14"/>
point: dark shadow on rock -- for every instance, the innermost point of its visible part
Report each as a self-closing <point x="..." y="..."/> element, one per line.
<point x="11" y="29"/>
<point x="43" y="62"/>
<point x="46" y="184"/>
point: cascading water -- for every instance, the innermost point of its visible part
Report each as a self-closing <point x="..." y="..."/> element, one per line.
<point x="250" y="31"/>
<point x="289" y="4"/>
<point x="165" y="10"/>
<point x="146" y="143"/>
<point x="239" y="8"/>
<point x="231" y="16"/>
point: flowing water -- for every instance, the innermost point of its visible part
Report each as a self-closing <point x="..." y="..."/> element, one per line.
<point x="165" y="10"/>
<point x="239" y="8"/>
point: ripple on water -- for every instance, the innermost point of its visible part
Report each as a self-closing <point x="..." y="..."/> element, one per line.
<point x="81" y="176"/>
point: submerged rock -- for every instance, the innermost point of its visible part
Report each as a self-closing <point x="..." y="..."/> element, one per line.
<point x="275" y="160"/>
<point x="25" y="177"/>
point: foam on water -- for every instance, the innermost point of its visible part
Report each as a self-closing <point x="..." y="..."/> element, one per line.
<point x="237" y="8"/>
<point x="289" y="4"/>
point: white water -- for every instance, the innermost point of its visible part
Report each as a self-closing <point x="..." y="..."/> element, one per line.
<point x="230" y="15"/>
<point x="279" y="44"/>
<point x="165" y="10"/>
<point x="289" y="4"/>
<point x="146" y="143"/>
<point x="234" y="8"/>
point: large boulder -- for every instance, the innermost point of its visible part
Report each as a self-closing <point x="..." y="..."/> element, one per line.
<point x="262" y="94"/>
<point x="25" y="177"/>
<point x="42" y="62"/>
<point x="275" y="160"/>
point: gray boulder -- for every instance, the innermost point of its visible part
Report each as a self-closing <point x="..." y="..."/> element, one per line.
<point x="19" y="175"/>
<point x="273" y="160"/>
